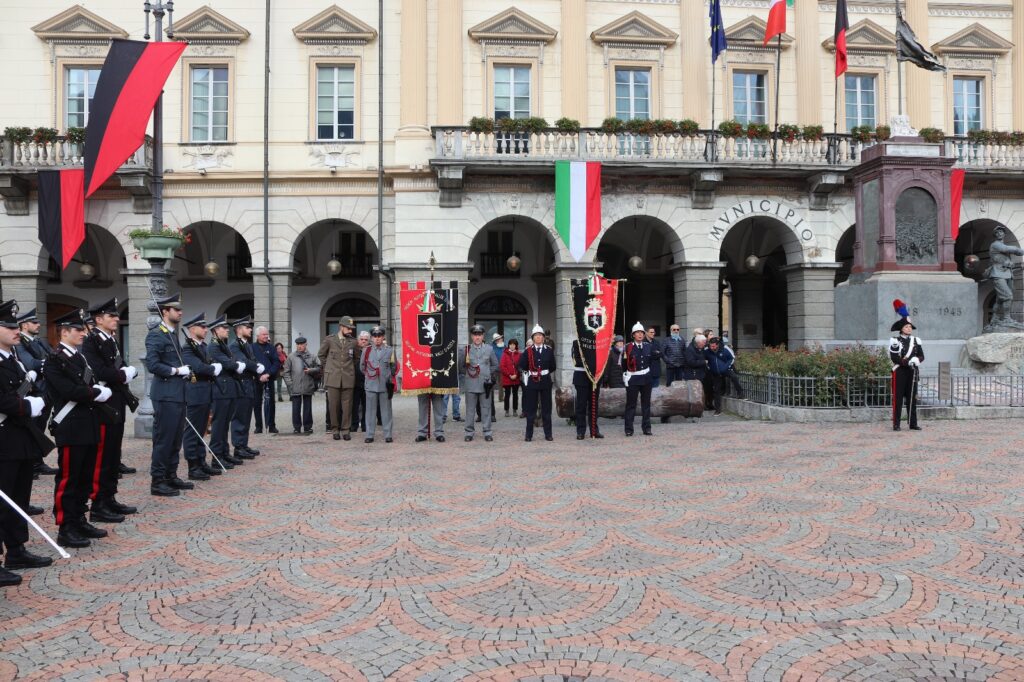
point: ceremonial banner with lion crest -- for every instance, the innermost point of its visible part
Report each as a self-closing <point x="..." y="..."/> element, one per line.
<point x="593" y="304"/>
<point x="430" y="336"/>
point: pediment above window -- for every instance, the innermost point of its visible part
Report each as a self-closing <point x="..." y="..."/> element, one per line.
<point x="865" y="36"/>
<point x="634" y="28"/>
<point x="206" y="25"/>
<point x="749" y="33"/>
<point x="974" y="40"/>
<point x="78" y="25"/>
<point x="335" y="25"/>
<point x="512" y="25"/>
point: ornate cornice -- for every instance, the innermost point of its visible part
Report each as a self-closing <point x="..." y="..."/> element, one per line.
<point x="865" y="36"/>
<point x="749" y="33"/>
<point x="206" y="25"/>
<point x="78" y="25"/>
<point x="335" y="25"/>
<point x="634" y="28"/>
<point x="512" y="25"/>
<point x="974" y="40"/>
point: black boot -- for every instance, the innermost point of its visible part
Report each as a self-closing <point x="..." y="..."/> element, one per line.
<point x="179" y="484"/>
<point x="88" y="530"/>
<point x="8" y="579"/>
<point x="196" y="473"/>
<point x="123" y="468"/>
<point x="210" y="469"/>
<point x="101" y="513"/>
<point x="69" y="536"/>
<point x="125" y="509"/>
<point x="243" y="453"/>
<point x="19" y="557"/>
<point x="43" y="469"/>
<point x="162" y="488"/>
<point x="229" y="460"/>
<point x="33" y="510"/>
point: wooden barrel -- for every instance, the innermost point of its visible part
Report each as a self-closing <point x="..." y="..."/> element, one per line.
<point x="682" y="399"/>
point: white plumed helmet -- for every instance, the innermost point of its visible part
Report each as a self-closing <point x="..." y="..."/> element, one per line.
<point x="638" y="328"/>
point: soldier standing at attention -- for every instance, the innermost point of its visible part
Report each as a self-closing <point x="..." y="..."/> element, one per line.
<point x="104" y="356"/>
<point x="906" y="354"/>
<point x="75" y="427"/>
<point x="20" y="449"/>
<point x="537" y="364"/>
<point x="378" y="369"/>
<point x="241" y="351"/>
<point x="637" y="359"/>
<point x="225" y="393"/>
<point x="479" y="369"/>
<point x="198" y="396"/>
<point x="32" y="351"/>
<point x="170" y="374"/>
<point x="338" y="357"/>
<point x="587" y="395"/>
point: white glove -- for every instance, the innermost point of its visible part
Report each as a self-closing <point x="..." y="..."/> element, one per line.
<point x="217" y="367"/>
<point x="36" y="404"/>
<point x="260" y="368"/>
<point x="129" y="373"/>
<point x="31" y="376"/>
<point x="239" y="367"/>
<point x="915" y="361"/>
<point x="104" y="395"/>
<point x="184" y="370"/>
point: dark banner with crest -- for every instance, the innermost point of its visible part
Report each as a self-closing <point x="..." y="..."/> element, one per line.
<point x="593" y="305"/>
<point x="430" y="335"/>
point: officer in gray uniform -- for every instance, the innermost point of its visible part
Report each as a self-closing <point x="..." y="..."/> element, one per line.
<point x="198" y="396"/>
<point x="478" y="368"/>
<point x="225" y="393"/>
<point x="377" y="365"/>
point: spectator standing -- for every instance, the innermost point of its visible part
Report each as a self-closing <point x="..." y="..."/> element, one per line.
<point x="719" y="359"/>
<point x="694" y="364"/>
<point x="377" y="366"/>
<point x="510" y="376"/>
<point x="672" y="350"/>
<point x="612" y="377"/>
<point x="650" y="337"/>
<point x="359" y="394"/>
<point x="300" y="373"/>
<point x="264" y="408"/>
<point x="282" y="356"/>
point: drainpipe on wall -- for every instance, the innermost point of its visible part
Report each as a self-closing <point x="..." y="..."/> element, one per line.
<point x="266" y="171"/>
<point x="384" y="268"/>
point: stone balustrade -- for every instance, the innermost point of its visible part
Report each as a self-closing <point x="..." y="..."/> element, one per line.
<point x="61" y="154"/>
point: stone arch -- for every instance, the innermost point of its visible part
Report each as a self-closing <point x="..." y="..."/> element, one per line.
<point x="790" y="218"/>
<point x="536" y="207"/>
<point x="844" y="254"/>
<point x="658" y="208"/>
<point x="364" y="309"/>
<point x="233" y="304"/>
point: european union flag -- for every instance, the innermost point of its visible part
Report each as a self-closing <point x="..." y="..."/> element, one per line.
<point x="718" y="44"/>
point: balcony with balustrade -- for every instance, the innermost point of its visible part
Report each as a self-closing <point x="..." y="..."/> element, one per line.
<point x="21" y="161"/>
<point x="704" y="157"/>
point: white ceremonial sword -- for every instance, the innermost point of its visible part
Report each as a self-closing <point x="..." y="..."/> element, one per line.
<point x="32" y="522"/>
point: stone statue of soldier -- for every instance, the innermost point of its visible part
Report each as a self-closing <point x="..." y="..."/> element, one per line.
<point x="1001" y="274"/>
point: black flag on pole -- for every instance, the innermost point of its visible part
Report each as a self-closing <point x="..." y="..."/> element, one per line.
<point x="62" y="213"/>
<point x="908" y="49"/>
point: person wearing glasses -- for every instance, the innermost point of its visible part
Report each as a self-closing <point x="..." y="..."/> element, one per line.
<point x="478" y="368"/>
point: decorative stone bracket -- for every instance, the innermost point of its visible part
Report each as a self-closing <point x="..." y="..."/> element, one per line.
<point x="14" y="190"/>
<point x="450" y="184"/>
<point x="819" y="188"/>
<point x="140" y="187"/>
<point x="702" y="193"/>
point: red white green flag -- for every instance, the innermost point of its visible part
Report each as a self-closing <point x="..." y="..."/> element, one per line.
<point x="578" y="204"/>
<point x="776" y="19"/>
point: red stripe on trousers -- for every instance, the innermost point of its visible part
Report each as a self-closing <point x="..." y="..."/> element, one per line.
<point x="894" y="398"/>
<point x="99" y="462"/>
<point x="58" y="498"/>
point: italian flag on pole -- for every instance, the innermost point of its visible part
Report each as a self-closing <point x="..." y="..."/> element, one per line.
<point x="776" y="19"/>
<point x="578" y="204"/>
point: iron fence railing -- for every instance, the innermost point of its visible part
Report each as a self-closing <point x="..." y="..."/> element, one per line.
<point x="977" y="390"/>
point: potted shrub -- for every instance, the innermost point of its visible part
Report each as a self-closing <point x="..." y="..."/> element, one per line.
<point x="534" y="124"/>
<point x="932" y="134"/>
<point x="861" y="134"/>
<point x="43" y="135"/>
<point x="688" y="127"/>
<point x="812" y="133"/>
<point x="758" y="131"/>
<point x="567" y="125"/>
<point x="789" y="132"/>
<point x="664" y="126"/>
<point x="1001" y="137"/>
<point x="730" y="128"/>
<point x="639" y="126"/>
<point x="508" y="125"/>
<point x="612" y="125"/>
<point x="159" y="245"/>
<point x="882" y="132"/>
<point x="76" y="136"/>
<point x="481" y="124"/>
<point x="1017" y="138"/>
<point x="17" y="134"/>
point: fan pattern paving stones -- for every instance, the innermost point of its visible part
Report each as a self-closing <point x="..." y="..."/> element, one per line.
<point x="719" y="550"/>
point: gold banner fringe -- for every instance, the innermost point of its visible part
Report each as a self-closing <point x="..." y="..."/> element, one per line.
<point x="424" y="391"/>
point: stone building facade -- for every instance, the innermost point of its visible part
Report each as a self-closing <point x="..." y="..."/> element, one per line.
<point x="753" y="240"/>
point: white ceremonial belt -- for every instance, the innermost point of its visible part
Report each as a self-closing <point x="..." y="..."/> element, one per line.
<point x="543" y="373"/>
<point x="579" y="369"/>
<point x="65" y="411"/>
<point x="3" y="418"/>
<point x="639" y="372"/>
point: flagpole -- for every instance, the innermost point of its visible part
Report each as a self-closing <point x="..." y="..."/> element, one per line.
<point x="899" y="65"/>
<point x="778" y="83"/>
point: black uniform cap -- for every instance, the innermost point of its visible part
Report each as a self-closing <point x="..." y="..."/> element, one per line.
<point x="898" y="324"/>
<point x="73" y="320"/>
<point x="105" y="308"/>
<point x="221" y="321"/>
<point x="29" y="316"/>
<point x="173" y="301"/>
<point x="197" y="321"/>
<point x="242" y="322"/>
<point x="9" y="314"/>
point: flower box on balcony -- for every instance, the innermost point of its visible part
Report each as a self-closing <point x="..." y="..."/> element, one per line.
<point x="157" y="246"/>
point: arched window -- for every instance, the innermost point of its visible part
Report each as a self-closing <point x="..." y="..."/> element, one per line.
<point x="364" y="313"/>
<point x="240" y="309"/>
<point x="503" y="315"/>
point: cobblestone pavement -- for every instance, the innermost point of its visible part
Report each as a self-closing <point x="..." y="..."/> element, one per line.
<point x="723" y="550"/>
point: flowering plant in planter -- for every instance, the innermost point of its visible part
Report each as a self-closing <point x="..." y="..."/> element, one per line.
<point x="979" y="136"/>
<point x="567" y="125"/>
<point x="813" y="133"/>
<point x="639" y="126"/>
<point x="17" y="134"/>
<point x="883" y="132"/>
<point x="508" y="125"/>
<point x="481" y="124"/>
<point x="42" y="135"/>
<point x="159" y="245"/>
<point x="861" y="133"/>
<point x="932" y="134"/>
<point x="789" y="132"/>
<point x="534" y="124"/>
<point x="758" y="131"/>
<point x="688" y="127"/>
<point x="730" y="128"/>
<point x="612" y="125"/>
<point x="664" y="126"/>
<point x="75" y="135"/>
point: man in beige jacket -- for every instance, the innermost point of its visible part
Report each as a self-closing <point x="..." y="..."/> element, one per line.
<point x="338" y="358"/>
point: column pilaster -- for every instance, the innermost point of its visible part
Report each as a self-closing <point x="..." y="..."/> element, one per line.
<point x="574" y="60"/>
<point x="413" y="133"/>
<point x="28" y="288"/>
<point x="450" y="46"/>
<point x="696" y="294"/>
<point x="695" y="55"/>
<point x="810" y="294"/>
<point x="1017" y="60"/>
<point x="278" y="320"/>
<point x="808" y="63"/>
<point x="918" y="81"/>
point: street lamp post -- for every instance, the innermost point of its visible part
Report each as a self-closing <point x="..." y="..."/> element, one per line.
<point x="157" y="269"/>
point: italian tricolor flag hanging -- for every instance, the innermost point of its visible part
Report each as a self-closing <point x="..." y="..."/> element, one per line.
<point x="578" y="204"/>
<point x="776" y="19"/>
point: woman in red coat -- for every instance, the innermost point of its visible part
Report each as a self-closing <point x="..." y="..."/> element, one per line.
<point x="510" y="379"/>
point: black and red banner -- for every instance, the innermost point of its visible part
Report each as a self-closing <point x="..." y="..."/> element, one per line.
<point x="62" y="213"/>
<point x="132" y="77"/>
<point x="430" y="336"/>
<point x="593" y="306"/>
<point x="842" y="26"/>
